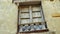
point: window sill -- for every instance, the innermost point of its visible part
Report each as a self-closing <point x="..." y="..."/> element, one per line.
<point x="37" y="31"/>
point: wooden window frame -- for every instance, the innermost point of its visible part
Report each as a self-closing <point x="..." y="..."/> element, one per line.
<point x="32" y="31"/>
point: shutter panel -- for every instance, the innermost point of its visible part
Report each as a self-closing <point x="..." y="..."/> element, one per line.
<point x="31" y="18"/>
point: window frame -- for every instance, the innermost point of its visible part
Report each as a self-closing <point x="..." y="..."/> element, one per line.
<point x="36" y="30"/>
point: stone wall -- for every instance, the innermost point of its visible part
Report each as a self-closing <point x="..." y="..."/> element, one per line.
<point x="52" y="8"/>
<point x="8" y="17"/>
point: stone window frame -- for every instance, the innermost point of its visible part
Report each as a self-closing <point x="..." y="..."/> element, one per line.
<point x="31" y="31"/>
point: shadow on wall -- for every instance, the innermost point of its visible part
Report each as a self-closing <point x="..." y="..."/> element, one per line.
<point x="50" y="32"/>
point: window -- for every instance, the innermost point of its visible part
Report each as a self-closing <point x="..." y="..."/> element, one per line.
<point x="31" y="18"/>
<point x="51" y="0"/>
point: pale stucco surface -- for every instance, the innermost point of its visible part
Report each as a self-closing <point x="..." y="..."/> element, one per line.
<point x="8" y="16"/>
<point x="50" y="8"/>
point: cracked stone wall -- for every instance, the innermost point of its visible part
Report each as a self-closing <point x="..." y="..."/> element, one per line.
<point x="8" y="17"/>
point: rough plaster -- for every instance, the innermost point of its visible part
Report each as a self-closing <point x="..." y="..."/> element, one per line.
<point x="50" y="8"/>
<point x="8" y="17"/>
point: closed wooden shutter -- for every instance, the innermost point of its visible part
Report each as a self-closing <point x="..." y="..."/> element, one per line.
<point x="31" y="18"/>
